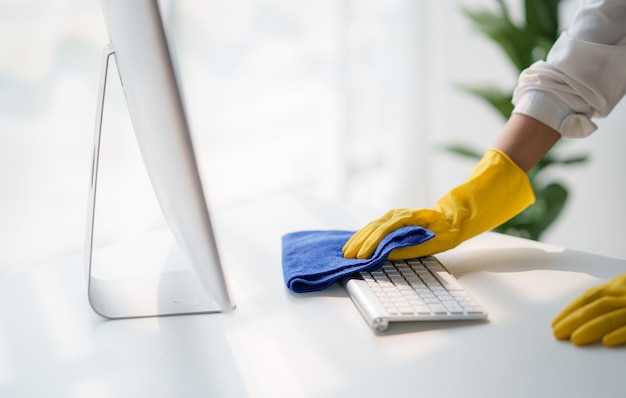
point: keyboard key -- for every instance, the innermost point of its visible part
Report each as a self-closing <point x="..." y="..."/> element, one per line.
<point x="447" y="280"/>
<point x="453" y="307"/>
<point x="406" y="310"/>
<point x="437" y="308"/>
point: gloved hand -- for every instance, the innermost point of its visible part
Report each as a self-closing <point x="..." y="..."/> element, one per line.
<point x="495" y="192"/>
<point x="598" y="314"/>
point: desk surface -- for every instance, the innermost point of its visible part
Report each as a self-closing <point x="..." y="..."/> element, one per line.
<point x="277" y="344"/>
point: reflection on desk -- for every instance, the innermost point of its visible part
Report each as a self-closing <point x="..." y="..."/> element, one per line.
<point x="277" y="344"/>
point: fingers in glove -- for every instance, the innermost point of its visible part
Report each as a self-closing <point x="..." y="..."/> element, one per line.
<point x="356" y="241"/>
<point x="421" y="250"/>
<point x="584" y="299"/>
<point x="615" y="338"/>
<point x="617" y="287"/>
<point x="373" y="240"/>
<point x="353" y="245"/>
<point x="364" y="242"/>
<point x="599" y="327"/>
<point x="588" y="313"/>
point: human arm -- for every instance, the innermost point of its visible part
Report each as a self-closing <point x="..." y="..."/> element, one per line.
<point x="584" y="76"/>
<point x="496" y="191"/>
<point x="526" y="140"/>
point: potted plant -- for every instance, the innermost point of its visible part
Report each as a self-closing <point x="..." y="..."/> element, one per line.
<point x="524" y="43"/>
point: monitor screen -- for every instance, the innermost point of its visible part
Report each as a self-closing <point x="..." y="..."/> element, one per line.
<point x="140" y="47"/>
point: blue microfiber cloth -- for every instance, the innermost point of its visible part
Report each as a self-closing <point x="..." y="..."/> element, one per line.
<point x="312" y="260"/>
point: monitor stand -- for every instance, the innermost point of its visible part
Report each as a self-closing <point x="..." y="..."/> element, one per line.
<point x="146" y="277"/>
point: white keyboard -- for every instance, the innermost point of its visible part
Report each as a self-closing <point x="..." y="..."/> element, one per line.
<point x="411" y="290"/>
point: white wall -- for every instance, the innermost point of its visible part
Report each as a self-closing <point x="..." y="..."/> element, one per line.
<point x="49" y="68"/>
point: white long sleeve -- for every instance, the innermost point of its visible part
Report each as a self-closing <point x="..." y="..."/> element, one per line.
<point x="584" y="75"/>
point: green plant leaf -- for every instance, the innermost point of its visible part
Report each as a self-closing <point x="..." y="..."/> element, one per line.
<point x="550" y="159"/>
<point x="542" y="18"/>
<point x="573" y="160"/>
<point x="463" y="150"/>
<point x="515" y="41"/>
<point x="555" y="196"/>
<point x="500" y="100"/>
<point x="504" y="10"/>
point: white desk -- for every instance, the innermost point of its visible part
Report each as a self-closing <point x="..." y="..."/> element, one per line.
<point x="277" y="344"/>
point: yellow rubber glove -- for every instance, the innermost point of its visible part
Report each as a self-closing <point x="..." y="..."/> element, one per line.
<point x="598" y="314"/>
<point x="495" y="192"/>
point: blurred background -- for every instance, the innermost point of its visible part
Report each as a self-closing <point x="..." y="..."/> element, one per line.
<point x="346" y="100"/>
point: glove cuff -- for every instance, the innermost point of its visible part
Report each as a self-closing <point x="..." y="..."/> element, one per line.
<point x="496" y="191"/>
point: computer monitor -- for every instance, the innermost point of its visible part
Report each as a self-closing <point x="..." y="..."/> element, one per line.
<point x="139" y="44"/>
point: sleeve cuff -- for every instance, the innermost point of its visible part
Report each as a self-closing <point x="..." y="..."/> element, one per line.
<point x="543" y="107"/>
